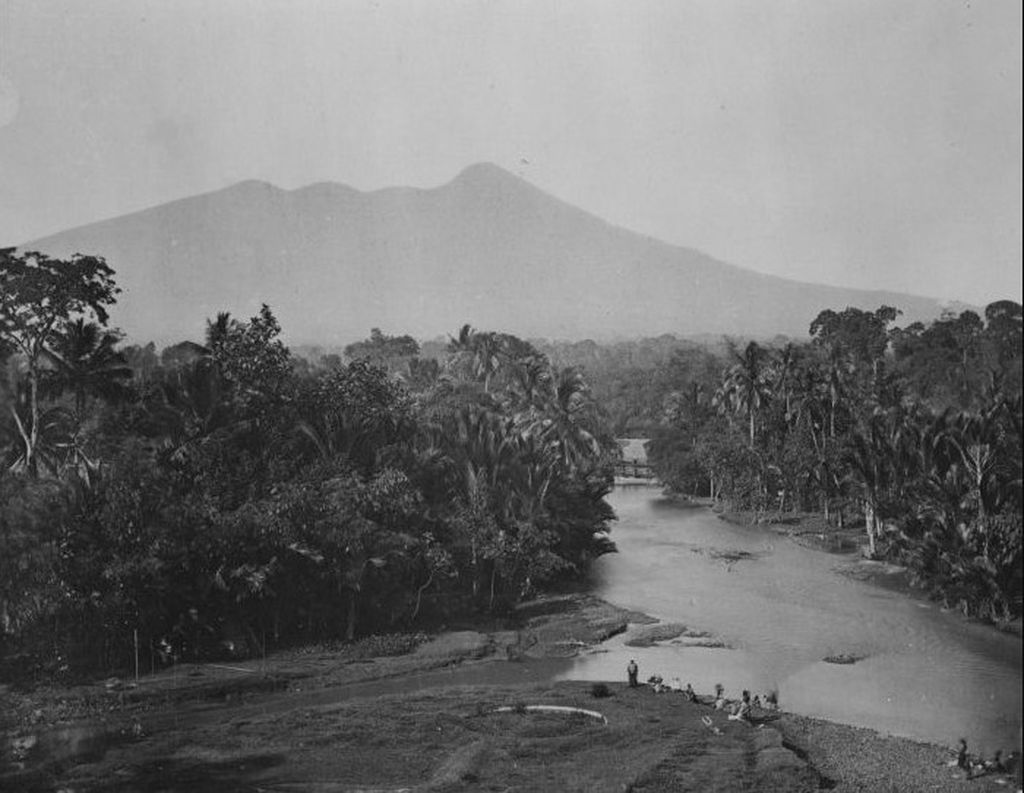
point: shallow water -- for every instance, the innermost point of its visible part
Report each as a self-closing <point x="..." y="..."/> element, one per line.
<point x="927" y="674"/>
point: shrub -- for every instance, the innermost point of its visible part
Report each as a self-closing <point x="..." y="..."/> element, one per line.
<point x="600" y="691"/>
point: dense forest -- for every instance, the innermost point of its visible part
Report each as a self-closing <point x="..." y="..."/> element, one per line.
<point x="913" y="433"/>
<point x="225" y="494"/>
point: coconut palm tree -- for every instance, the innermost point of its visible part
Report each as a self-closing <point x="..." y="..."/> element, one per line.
<point x="868" y="457"/>
<point x="784" y="370"/>
<point x="191" y="404"/>
<point x="480" y="352"/>
<point x="85" y="361"/>
<point x="568" y="423"/>
<point x="836" y="372"/>
<point x="530" y="381"/>
<point x="745" y="389"/>
<point x="217" y="330"/>
<point x="975" y="440"/>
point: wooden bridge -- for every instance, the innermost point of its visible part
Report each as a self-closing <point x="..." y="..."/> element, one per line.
<point x="633" y="463"/>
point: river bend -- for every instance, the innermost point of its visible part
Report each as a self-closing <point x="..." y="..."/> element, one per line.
<point x="926" y="674"/>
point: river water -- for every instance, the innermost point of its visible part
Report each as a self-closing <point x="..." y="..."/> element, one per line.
<point x="927" y="674"/>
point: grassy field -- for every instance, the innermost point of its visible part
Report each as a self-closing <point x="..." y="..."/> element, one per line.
<point x="449" y="740"/>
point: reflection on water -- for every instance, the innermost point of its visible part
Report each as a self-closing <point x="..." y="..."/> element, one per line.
<point x="927" y="674"/>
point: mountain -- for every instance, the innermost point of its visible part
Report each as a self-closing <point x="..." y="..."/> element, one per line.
<point x="487" y="248"/>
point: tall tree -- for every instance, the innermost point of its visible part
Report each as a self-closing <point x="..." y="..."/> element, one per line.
<point x="479" y="351"/>
<point x="39" y="297"/>
<point x="745" y="388"/>
<point x="867" y="457"/>
<point x="252" y="358"/>
<point x="784" y="370"/>
<point x="86" y="362"/>
<point x="218" y="330"/>
<point x="1004" y="331"/>
<point x="864" y="335"/>
<point x="569" y="425"/>
<point x="392" y="352"/>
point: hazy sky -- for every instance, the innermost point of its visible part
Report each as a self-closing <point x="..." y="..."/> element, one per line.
<point x="853" y="142"/>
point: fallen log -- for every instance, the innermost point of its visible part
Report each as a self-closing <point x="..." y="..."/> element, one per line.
<point x="553" y="709"/>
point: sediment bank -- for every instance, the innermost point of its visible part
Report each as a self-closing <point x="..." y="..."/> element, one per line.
<point x="333" y="719"/>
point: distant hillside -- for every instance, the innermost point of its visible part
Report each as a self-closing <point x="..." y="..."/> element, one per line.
<point x="487" y="248"/>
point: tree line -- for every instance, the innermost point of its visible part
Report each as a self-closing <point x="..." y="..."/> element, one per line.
<point x="226" y="494"/>
<point x="912" y="433"/>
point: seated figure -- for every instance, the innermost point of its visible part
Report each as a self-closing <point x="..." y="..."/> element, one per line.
<point x="719" y="697"/>
<point x="741" y="710"/>
<point x="997" y="761"/>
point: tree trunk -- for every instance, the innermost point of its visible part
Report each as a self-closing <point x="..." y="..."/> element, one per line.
<point x="350" y="626"/>
<point x="30" y="453"/>
<point x="476" y="569"/>
<point x="978" y="486"/>
<point x="419" y="595"/>
<point x="871" y="526"/>
<point x="25" y="437"/>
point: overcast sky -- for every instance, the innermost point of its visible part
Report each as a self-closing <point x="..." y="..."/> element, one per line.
<point x="853" y="142"/>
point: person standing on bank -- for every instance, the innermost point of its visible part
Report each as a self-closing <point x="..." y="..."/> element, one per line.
<point x="633" y="672"/>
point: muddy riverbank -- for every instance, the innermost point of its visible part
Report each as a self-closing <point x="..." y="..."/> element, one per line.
<point x="343" y="719"/>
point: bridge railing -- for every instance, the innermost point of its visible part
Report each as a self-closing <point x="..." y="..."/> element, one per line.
<point x="637" y="470"/>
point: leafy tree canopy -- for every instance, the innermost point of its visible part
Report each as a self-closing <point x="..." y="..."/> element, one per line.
<point x="39" y="294"/>
<point x="860" y="334"/>
<point x="39" y="297"/>
<point x="382" y="348"/>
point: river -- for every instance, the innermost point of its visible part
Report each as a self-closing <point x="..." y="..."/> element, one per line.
<point x="926" y="674"/>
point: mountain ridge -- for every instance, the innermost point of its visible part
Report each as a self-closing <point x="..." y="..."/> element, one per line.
<point x="486" y="247"/>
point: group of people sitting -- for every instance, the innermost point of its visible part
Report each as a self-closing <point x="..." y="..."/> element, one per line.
<point x="742" y="709"/>
<point x="745" y="707"/>
<point x="737" y="710"/>
<point x="976" y="766"/>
